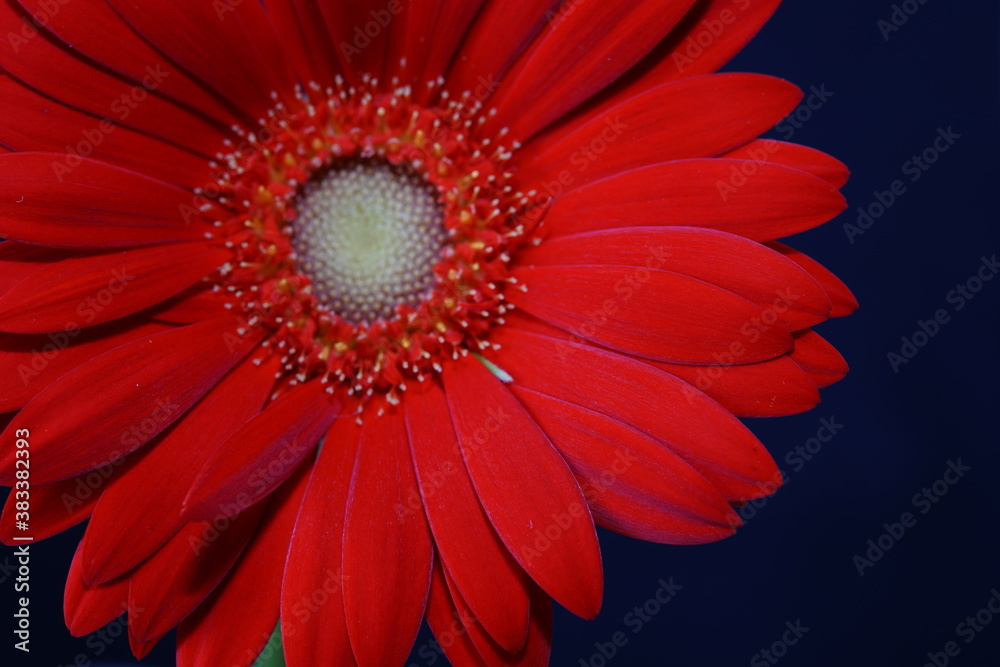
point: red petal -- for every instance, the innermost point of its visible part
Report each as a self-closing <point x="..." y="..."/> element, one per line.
<point x="463" y="640"/>
<point x="19" y="260"/>
<point x="313" y="622"/>
<point x="193" y="305"/>
<point x="300" y="23"/>
<point x="589" y="44"/>
<point x="821" y="360"/>
<point x="743" y="267"/>
<point x="666" y="409"/>
<point x="93" y="28"/>
<point x="124" y="397"/>
<point x="29" y="364"/>
<point x="450" y="25"/>
<point x="496" y="39"/>
<point x="650" y="313"/>
<point x="21" y="107"/>
<point x="803" y="158"/>
<point x="262" y="454"/>
<point x="88" y="608"/>
<point x="387" y="551"/>
<point x="758" y="200"/>
<point x="86" y="291"/>
<point x="448" y="625"/>
<point x="53" y="507"/>
<point x="710" y="34"/>
<point x="228" y="46"/>
<point x="844" y="301"/>
<point x="130" y="522"/>
<point x="94" y="206"/>
<point x="692" y="118"/>
<point x="43" y="64"/>
<point x="140" y="649"/>
<point x="634" y="485"/>
<point x="538" y="511"/>
<point x="465" y="540"/>
<point x="178" y="577"/>
<point x="220" y="631"/>
<point x="771" y="388"/>
<point x="360" y="52"/>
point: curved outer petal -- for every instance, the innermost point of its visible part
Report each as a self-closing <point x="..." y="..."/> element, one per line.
<point x="92" y="28"/>
<point x="87" y="291"/>
<point x="54" y="507"/>
<point x="462" y="639"/>
<point x="313" y="619"/>
<point x="760" y="201"/>
<point x="494" y="42"/>
<point x="588" y="44"/>
<point x="803" y="158"/>
<point x="263" y="453"/>
<point x="772" y="388"/>
<point x="844" y="301"/>
<point x="650" y="313"/>
<point x="165" y="589"/>
<point x="18" y="261"/>
<point x="690" y="118"/>
<point x="775" y="284"/>
<point x="539" y="511"/>
<point x="126" y="397"/>
<point x="466" y="542"/>
<point x="129" y="522"/>
<point x="76" y="132"/>
<point x="29" y="364"/>
<point x="666" y="409"/>
<point x="221" y="632"/>
<point x="48" y="67"/>
<point x="711" y="33"/>
<point x="229" y="46"/>
<point x="87" y="607"/>
<point x="818" y="358"/>
<point x="634" y="485"/>
<point x="387" y="551"/>
<point x="95" y="205"/>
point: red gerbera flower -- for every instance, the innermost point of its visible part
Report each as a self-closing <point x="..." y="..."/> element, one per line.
<point x="360" y="313"/>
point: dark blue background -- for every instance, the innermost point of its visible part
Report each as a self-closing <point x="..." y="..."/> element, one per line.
<point x="793" y="562"/>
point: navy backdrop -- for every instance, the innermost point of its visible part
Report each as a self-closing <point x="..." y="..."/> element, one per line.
<point x="801" y="584"/>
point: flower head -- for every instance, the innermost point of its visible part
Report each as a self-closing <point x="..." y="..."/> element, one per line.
<point x="347" y="315"/>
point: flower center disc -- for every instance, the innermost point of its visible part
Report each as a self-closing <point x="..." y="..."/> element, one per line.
<point x="369" y="234"/>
